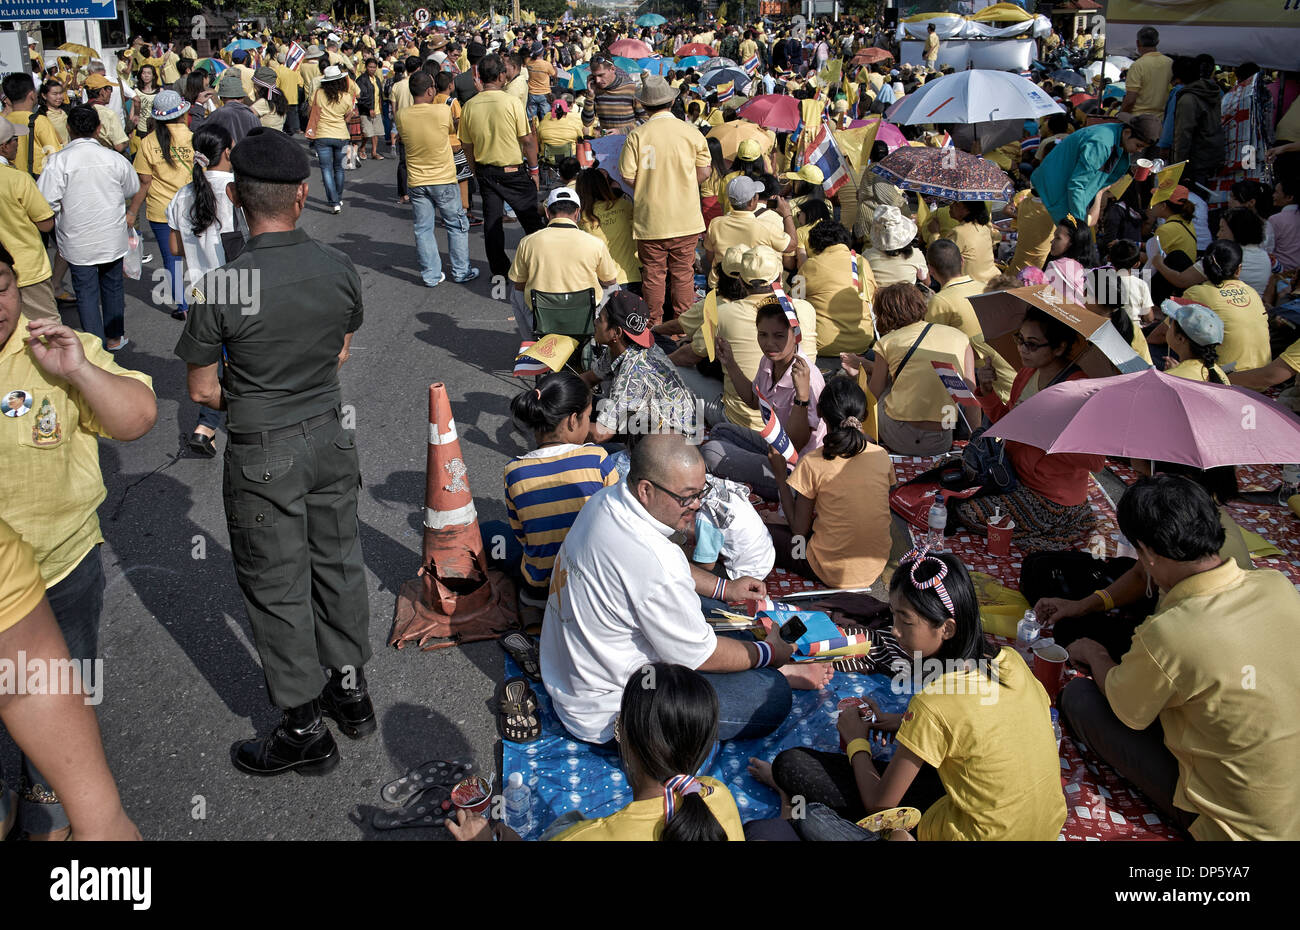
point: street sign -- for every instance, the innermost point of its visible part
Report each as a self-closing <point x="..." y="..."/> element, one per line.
<point x="422" y="16"/>
<point x="58" y="9"/>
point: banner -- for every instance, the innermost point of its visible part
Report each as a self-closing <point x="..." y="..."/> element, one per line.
<point x="1266" y="32"/>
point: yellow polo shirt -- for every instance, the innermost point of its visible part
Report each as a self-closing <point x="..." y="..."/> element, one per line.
<point x="1194" y="370"/>
<point x="426" y="130"/>
<point x="51" y="451"/>
<point x="400" y="95"/>
<point x="493" y="122"/>
<point x="843" y="315"/>
<point x="112" y="133"/>
<point x="47" y="140"/>
<point x="951" y="306"/>
<point x="289" y="81"/>
<point x="1291" y="357"/>
<point x="560" y="132"/>
<point x="741" y="227"/>
<point x="613" y="226"/>
<point x="21" y="587"/>
<point x="167" y="178"/>
<point x="643" y="821"/>
<point x="976" y="244"/>
<point x="1245" y="322"/>
<point x="1217" y="665"/>
<point x="1149" y="77"/>
<point x="660" y="157"/>
<point x="918" y="394"/>
<point x="21" y="206"/>
<point x="561" y="258"/>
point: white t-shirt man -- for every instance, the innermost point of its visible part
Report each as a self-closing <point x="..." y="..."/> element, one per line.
<point x="622" y="596"/>
<point x="88" y="185"/>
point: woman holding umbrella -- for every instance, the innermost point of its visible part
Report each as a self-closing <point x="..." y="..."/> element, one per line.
<point x="1050" y="504"/>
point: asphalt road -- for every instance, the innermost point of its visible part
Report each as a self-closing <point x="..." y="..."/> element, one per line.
<point x="182" y="679"/>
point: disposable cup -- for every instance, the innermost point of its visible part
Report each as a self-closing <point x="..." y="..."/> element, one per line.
<point x="1000" y="536"/>
<point x="1142" y="169"/>
<point x="1049" y="668"/>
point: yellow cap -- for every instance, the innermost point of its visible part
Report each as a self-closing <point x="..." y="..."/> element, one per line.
<point x="749" y="150"/>
<point x="810" y="173"/>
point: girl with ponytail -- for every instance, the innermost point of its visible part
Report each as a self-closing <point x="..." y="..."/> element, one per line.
<point x="1194" y="334"/>
<point x="1237" y="304"/>
<point x="846" y="482"/>
<point x="666" y="728"/>
<point x="547" y="487"/>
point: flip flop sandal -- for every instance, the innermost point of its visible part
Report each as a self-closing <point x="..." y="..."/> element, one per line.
<point x="429" y="808"/>
<point x="517" y="719"/>
<point x="427" y="775"/>
<point x="896" y="818"/>
<point x="525" y="653"/>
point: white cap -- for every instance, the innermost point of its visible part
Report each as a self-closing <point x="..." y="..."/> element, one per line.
<point x="332" y="37"/>
<point x="567" y="194"/>
<point x="516" y="779"/>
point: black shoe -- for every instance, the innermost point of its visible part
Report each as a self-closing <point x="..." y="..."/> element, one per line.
<point x="200" y="444"/>
<point x="350" y="708"/>
<point x="302" y="743"/>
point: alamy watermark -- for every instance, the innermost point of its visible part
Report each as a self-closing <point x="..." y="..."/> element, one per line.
<point x="239" y="287"/>
<point x="37" y="675"/>
<point x="948" y="676"/>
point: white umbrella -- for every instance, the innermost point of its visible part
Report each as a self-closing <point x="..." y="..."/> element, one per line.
<point x="1119" y="61"/>
<point x="975" y="96"/>
<point x="1095" y="68"/>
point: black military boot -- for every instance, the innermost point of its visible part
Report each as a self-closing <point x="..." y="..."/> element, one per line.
<point x="350" y="708"/>
<point x="302" y="743"/>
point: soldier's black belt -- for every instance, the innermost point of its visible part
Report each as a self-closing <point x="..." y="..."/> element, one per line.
<point x="299" y="429"/>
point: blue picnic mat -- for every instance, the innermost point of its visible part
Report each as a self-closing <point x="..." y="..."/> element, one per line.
<point x="565" y="774"/>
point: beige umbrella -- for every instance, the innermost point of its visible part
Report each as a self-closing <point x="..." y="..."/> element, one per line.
<point x="730" y="135"/>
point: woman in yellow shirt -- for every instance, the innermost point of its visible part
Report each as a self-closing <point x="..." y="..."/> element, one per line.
<point x="974" y="236"/>
<point x="1245" y="321"/>
<point x="165" y="164"/>
<point x="1194" y="334"/>
<point x="607" y="215"/>
<point x="662" y="734"/>
<point x="49" y="103"/>
<point x="1177" y="241"/>
<point x="975" y="746"/>
<point x="711" y="189"/>
<point x="559" y="132"/>
<point x="333" y="100"/>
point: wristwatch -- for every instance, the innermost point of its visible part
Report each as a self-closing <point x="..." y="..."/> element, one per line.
<point x="801" y="403"/>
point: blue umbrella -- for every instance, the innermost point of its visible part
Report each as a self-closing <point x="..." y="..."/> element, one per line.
<point x="244" y="44"/>
<point x="440" y="22"/>
<point x="574" y="78"/>
<point x="660" y="66"/>
<point x="694" y="61"/>
<point x="718" y="76"/>
<point x="650" y="19"/>
<point x="627" y="64"/>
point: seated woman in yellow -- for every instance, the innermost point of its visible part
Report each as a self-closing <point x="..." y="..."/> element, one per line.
<point x="975" y="747"/>
<point x="663" y="734"/>
<point x="974" y="236"/>
<point x="1245" y="322"/>
<point x="607" y="215"/>
<point x="843" y="305"/>
<point x="559" y="132"/>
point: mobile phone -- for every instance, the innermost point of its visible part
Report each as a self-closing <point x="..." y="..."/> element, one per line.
<point x="792" y="629"/>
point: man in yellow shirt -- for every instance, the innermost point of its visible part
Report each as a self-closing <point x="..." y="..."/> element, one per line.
<point x="426" y="129"/>
<point x="501" y="149"/>
<point x="62" y="391"/>
<point x="309" y="71"/>
<point x="1146" y="85"/>
<point x="1199" y="713"/>
<point x="931" y="46"/>
<point x="665" y="160"/>
<point x="112" y="134"/>
<point x="741" y="226"/>
<point x="24" y="215"/>
<point x="40" y="139"/>
<point x="559" y="259"/>
<point x="951" y="306"/>
<point x="290" y="84"/>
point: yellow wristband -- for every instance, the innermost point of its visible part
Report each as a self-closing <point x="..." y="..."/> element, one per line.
<point x="1107" y="602"/>
<point x="857" y="746"/>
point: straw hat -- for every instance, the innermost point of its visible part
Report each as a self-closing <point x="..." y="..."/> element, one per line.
<point x="332" y="73"/>
<point x="656" y="92"/>
<point x="890" y="229"/>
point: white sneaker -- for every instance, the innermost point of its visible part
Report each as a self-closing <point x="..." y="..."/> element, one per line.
<point x="338" y="208"/>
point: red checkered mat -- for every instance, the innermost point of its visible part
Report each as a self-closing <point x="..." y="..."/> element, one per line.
<point x="1100" y="804"/>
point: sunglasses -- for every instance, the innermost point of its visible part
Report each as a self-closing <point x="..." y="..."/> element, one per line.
<point x="682" y="501"/>
<point x="1031" y="346"/>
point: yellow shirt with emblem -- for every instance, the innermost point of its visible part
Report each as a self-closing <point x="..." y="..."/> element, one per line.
<point x="21" y="206"/>
<point x="612" y="224"/>
<point x="52" y="445"/>
<point x="1216" y="664"/>
<point x="167" y="178"/>
<point x="561" y="258"/>
<point x="21" y="587"/>
<point x="660" y="157"/>
<point x="993" y="745"/>
<point x="493" y="122"/>
<point x="644" y="820"/>
<point x="1245" y="322"/>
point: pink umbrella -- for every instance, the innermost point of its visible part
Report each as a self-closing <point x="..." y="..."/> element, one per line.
<point x="1152" y="415"/>
<point x="631" y="48"/>
<point x="888" y="133"/>
<point x="777" y="112"/>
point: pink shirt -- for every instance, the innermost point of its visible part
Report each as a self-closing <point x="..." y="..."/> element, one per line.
<point x="781" y="396"/>
<point x="1286" y="235"/>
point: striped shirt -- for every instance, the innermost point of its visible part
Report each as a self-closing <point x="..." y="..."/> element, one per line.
<point x="616" y="107"/>
<point x="545" y="489"/>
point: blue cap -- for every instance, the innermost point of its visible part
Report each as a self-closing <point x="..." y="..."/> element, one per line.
<point x="1198" y="322"/>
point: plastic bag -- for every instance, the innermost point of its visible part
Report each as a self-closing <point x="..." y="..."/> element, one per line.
<point x="131" y="264"/>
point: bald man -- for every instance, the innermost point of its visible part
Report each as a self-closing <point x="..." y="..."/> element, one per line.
<point x="623" y="595"/>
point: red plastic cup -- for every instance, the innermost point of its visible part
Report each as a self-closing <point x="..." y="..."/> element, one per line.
<point x="1000" y="536"/>
<point x="1049" y="668"/>
<point x="474" y="794"/>
<point x="1142" y="169"/>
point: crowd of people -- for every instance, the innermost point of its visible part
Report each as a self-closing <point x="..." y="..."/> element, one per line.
<point x="754" y="326"/>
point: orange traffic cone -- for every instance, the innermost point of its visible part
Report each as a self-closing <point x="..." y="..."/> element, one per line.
<point x="456" y="597"/>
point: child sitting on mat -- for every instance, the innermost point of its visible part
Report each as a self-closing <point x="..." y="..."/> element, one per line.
<point x="978" y="720"/>
<point x="847" y="481"/>
<point x="666" y="728"/>
<point x="547" y="487"/>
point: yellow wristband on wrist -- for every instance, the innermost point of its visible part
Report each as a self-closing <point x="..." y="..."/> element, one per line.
<point x="1107" y="602"/>
<point x="857" y="746"/>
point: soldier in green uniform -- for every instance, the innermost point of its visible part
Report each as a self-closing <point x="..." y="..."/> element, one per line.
<point x="283" y="313"/>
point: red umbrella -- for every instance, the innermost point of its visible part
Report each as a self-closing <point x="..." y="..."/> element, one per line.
<point x="631" y="48"/>
<point x="869" y="56"/>
<point x="777" y="112"/>
<point x="696" y="48"/>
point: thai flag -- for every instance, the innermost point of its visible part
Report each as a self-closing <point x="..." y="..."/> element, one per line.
<point x="1030" y="145"/>
<point x="853" y="268"/>
<point x="484" y="23"/>
<point x="752" y="65"/>
<point x="825" y="154"/>
<point x="294" y="55"/>
<point x="791" y="317"/>
<point x="725" y="91"/>
<point x="526" y="366"/>
<point x="774" y="433"/>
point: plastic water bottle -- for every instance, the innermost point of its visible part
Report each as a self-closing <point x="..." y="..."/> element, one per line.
<point x="1290" y="483"/>
<point x="519" y="804"/>
<point x="1027" y="631"/>
<point x="938" y="521"/>
<point x="1056" y="728"/>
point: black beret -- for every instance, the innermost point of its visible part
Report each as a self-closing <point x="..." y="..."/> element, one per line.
<point x="269" y="155"/>
<point x="475" y="51"/>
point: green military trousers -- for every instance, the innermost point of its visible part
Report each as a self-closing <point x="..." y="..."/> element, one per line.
<point x="291" y="508"/>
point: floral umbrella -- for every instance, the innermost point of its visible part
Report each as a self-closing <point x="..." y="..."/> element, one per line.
<point x="948" y="173"/>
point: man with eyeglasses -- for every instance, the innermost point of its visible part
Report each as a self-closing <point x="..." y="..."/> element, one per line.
<point x="623" y="595"/>
<point x="1071" y="178"/>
